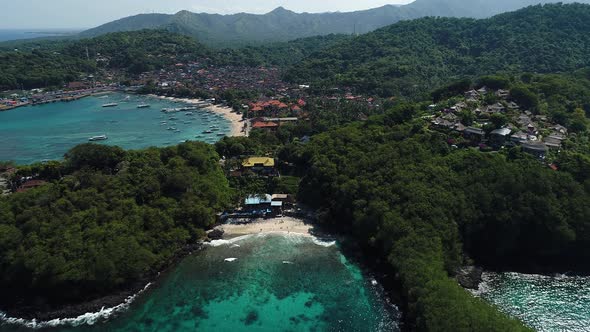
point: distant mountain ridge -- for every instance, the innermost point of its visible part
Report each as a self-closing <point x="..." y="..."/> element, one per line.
<point x="419" y="55"/>
<point x="283" y="25"/>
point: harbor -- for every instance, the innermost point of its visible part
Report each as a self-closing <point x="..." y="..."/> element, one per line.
<point x="46" y="132"/>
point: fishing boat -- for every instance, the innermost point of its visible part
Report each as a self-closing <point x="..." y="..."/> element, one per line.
<point x="207" y="132"/>
<point x="144" y="106"/>
<point x="110" y="105"/>
<point x="98" y="138"/>
<point x="171" y="128"/>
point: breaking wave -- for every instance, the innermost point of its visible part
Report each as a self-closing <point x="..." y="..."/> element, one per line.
<point x="89" y="318"/>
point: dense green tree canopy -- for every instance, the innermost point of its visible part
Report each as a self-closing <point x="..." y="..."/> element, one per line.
<point x="400" y="189"/>
<point x="113" y="218"/>
<point x="413" y="57"/>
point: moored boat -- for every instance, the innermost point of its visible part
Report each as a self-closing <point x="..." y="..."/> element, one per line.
<point x="144" y="106"/>
<point x="98" y="138"/>
<point x="110" y="105"/>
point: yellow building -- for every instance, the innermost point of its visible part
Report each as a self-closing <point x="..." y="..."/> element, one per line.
<point x="256" y="162"/>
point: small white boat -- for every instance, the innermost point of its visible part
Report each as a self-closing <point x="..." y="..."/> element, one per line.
<point x="144" y="106"/>
<point x="98" y="138"/>
<point x="110" y="105"/>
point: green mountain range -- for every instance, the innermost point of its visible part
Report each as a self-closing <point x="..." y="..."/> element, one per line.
<point x="420" y="55"/>
<point x="283" y="25"/>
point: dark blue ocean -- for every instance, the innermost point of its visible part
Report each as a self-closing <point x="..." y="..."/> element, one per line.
<point x="16" y="34"/>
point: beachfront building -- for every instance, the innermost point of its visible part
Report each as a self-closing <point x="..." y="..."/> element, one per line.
<point x="265" y="125"/>
<point x="263" y="206"/>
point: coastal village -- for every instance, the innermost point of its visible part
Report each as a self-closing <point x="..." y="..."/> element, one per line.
<point x="485" y="118"/>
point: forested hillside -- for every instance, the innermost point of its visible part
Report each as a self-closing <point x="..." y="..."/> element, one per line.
<point x="403" y="191"/>
<point x="45" y="64"/>
<point x="41" y="64"/>
<point x="107" y="218"/>
<point x="284" y="25"/>
<point x="413" y="57"/>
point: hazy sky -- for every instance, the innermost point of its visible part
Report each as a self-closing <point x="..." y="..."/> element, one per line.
<point x="27" y="14"/>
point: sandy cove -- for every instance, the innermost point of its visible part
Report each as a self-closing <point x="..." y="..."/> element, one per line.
<point x="237" y="123"/>
<point x="283" y="225"/>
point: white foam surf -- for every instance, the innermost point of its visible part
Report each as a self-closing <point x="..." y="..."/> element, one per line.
<point x="323" y="242"/>
<point x="89" y="318"/>
<point x="219" y="243"/>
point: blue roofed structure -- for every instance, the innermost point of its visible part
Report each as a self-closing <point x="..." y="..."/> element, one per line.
<point x="258" y="200"/>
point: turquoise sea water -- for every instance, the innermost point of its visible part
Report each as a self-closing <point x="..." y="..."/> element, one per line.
<point x="545" y="303"/>
<point x="270" y="283"/>
<point x="36" y="133"/>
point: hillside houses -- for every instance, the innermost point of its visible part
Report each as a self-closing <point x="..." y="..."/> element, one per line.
<point x="498" y="124"/>
<point x="216" y="80"/>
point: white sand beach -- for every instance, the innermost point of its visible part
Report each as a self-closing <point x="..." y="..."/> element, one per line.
<point x="284" y="225"/>
<point x="236" y="120"/>
<point x="237" y="123"/>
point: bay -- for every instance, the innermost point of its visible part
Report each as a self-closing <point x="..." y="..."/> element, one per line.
<point x="256" y="283"/>
<point x="45" y="132"/>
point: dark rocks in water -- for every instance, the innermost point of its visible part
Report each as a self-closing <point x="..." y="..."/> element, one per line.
<point x="469" y="276"/>
<point x="148" y="322"/>
<point x="304" y="318"/>
<point x="309" y="303"/>
<point x="215" y="234"/>
<point x="251" y="318"/>
<point x="299" y="319"/>
<point x="198" y="311"/>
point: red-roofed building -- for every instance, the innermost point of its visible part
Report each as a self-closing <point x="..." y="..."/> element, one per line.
<point x="301" y="103"/>
<point x="77" y="85"/>
<point x="265" y="125"/>
<point x="30" y="185"/>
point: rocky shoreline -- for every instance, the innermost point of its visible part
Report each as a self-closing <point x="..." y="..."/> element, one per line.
<point x="43" y="313"/>
<point x="469" y="277"/>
